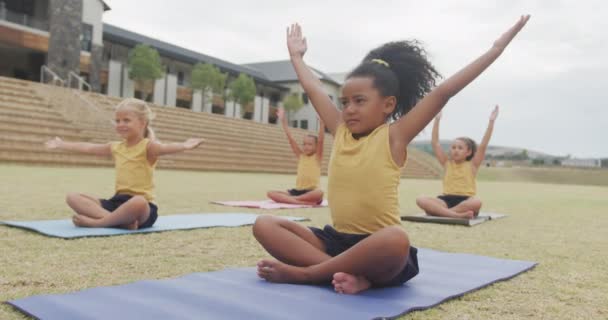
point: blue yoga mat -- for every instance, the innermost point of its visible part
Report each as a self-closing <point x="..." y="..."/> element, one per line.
<point x="66" y="229"/>
<point x="240" y="294"/>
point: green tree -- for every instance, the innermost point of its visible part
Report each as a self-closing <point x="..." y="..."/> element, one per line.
<point x="292" y="103"/>
<point x="242" y="91"/>
<point x="209" y="79"/>
<point x="144" y="68"/>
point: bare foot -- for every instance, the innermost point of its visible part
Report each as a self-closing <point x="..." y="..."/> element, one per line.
<point x="131" y="226"/>
<point x="84" y="221"/>
<point x="276" y="271"/>
<point x="349" y="284"/>
<point x="468" y="214"/>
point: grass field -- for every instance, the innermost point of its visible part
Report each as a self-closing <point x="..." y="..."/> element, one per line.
<point x="554" y="175"/>
<point x="562" y="227"/>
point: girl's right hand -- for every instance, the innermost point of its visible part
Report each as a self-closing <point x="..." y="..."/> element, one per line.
<point x="53" y="143"/>
<point x="504" y="40"/>
<point x="281" y="113"/>
<point x="296" y="44"/>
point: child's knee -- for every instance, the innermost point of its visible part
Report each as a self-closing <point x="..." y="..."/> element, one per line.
<point x="139" y="203"/>
<point x="262" y="223"/>
<point x="421" y="201"/>
<point x="72" y="198"/>
<point x="398" y="239"/>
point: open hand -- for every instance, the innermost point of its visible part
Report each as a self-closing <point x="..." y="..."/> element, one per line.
<point x="296" y="44"/>
<point x="506" y="37"/>
<point x="193" y="143"/>
<point x="53" y="143"/>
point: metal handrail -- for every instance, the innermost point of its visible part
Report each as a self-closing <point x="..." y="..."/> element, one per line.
<point x="81" y="81"/>
<point x="56" y="79"/>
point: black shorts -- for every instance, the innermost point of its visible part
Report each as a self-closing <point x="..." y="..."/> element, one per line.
<point x="452" y="200"/>
<point x="118" y="199"/>
<point x="338" y="242"/>
<point x="298" y="192"/>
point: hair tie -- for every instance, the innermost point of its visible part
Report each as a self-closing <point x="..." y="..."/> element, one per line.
<point x="382" y="62"/>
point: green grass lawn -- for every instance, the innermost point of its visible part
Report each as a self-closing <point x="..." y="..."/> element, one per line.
<point x="563" y="227"/>
<point x="555" y="175"/>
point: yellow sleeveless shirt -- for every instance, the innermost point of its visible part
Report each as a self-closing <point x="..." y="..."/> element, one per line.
<point x="363" y="182"/>
<point x="309" y="172"/>
<point x="459" y="179"/>
<point x="134" y="174"/>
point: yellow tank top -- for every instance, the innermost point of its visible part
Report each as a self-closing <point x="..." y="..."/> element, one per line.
<point x="309" y="172"/>
<point x="134" y="174"/>
<point x="459" y="179"/>
<point x="363" y="182"/>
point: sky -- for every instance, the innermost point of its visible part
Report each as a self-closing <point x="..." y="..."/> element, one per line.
<point x="550" y="83"/>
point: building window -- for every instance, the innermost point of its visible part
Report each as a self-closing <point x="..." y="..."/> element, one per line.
<point x="304" y="124"/>
<point x="107" y="51"/>
<point x="305" y="98"/>
<point x="87" y="37"/>
<point x="184" y="104"/>
<point x="294" y="123"/>
<point x="180" y="78"/>
<point x="275" y="98"/>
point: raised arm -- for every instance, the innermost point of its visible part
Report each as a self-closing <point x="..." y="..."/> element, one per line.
<point x="157" y="149"/>
<point x="406" y="128"/>
<point x="292" y="142"/>
<point x="483" y="146"/>
<point x="103" y="150"/>
<point x="441" y="157"/>
<point x="313" y="87"/>
<point x="320" y="141"/>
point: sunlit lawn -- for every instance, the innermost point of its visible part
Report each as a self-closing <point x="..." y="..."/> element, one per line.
<point x="563" y="227"/>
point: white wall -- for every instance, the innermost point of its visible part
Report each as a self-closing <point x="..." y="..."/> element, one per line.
<point x="587" y="163"/>
<point x="229" y="109"/>
<point x="114" y="74"/>
<point x="159" y="91"/>
<point x="171" y="90"/>
<point x="257" y="109"/>
<point x="92" y="12"/>
<point x="265" y="109"/>
<point x="128" y="89"/>
<point x="197" y="100"/>
<point x="308" y="112"/>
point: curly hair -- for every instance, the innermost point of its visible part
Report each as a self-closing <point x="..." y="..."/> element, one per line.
<point x="400" y="69"/>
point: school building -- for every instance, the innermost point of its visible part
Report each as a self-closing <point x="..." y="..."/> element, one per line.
<point x="67" y="43"/>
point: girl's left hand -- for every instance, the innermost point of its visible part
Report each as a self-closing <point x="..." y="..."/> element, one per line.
<point x="494" y="114"/>
<point x="296" y="44"/>
<point x="193" y="143"/>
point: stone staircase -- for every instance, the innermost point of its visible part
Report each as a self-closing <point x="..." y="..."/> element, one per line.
<point x="31" y="113"/>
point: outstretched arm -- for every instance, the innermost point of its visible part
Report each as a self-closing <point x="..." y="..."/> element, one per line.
<point x="292" y="142"/>
<point x="156" y="149"/>
<point x="313" y="87"/>
<point x="481" y="151"/>
<point x="406" y="128"/>
<point x="81" y="147"/>
<point x="441" y="157"/>
<point x="320" y="141"/>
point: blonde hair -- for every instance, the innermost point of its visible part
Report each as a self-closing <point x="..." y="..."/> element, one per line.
<point x="142" y="110"/>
